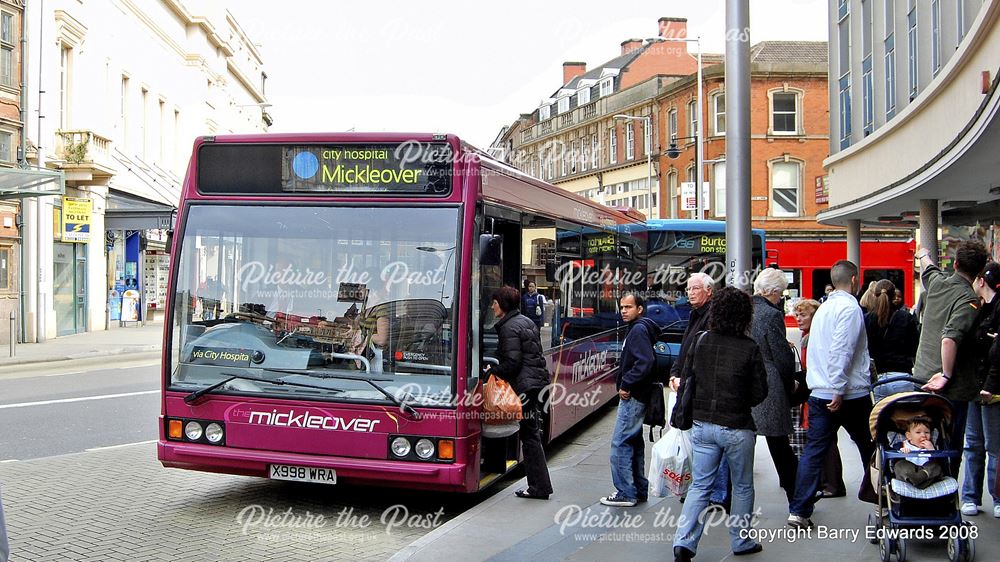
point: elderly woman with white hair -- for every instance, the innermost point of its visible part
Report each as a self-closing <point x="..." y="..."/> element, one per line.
<point x="773" y="416"/>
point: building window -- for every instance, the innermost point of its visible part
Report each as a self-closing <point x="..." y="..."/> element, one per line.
<point x="544" y="112"/>
<point x="647" y="134"/>
<point x="6" y="142"/>
<point x="784" y="113"/>
<point x="911" y="44"/>
<point x="786" y="186"/>
<point x="563" y="104"/>
<point x="890" y="60"/>
<point x="629" y="142"/>
<point x="7" y="50"/>
<point x="574" y="156"/>
<point x="936" y="35"/>
<point x="719" y="180"/>
<point x="719" y="113"/>
<point x="5" y="268"/>
<point x="673" y="193"/>
<point x="613" y="145"/>
<point x="607" y="85"/>
<point x="595" y="150"/>
<point x="582" y="96"/>
<point x="144" y="133"/>
<point x="844" y="83"/>
<point x="65" y="85"/>
<point x="692" y="111"/>
<point x="867" y="96"/>
<point x="672" y="125"/>
<point x="123" y="112"/>
<point x="584" y="155"/>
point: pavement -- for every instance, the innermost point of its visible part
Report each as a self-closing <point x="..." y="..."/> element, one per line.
<point x="102" y="343"/>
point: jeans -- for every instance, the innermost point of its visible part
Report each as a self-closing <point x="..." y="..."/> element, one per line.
<point x="959" y="415"/>
<point x="4" y="545"/>
<point x="823" y="425"/>
<point x="890" y="388"/>
<point x="982" y="445"/>
<point x="628" y="451"/>
<point x="531" y="445"/>
<point x="711" y="443"/>
<point x="720" y="487"/>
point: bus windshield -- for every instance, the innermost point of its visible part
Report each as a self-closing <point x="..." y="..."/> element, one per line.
<point x="325" y="295"/>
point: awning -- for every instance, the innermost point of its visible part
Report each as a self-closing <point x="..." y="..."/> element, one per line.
<point x="126" y="212"/>
<point x="16" y="183"/>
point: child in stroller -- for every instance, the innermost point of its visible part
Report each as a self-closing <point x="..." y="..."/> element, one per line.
<point x="917" y="470"/>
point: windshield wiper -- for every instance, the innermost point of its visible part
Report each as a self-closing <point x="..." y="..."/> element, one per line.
<point x="196" y="395"/>
<point x="404" y="407"/>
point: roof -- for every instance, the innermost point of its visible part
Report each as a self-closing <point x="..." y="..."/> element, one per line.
<point x="808" y="52"/>
<point x="595" y="73"/>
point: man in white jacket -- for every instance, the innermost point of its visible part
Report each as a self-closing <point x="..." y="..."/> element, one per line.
<point x="838" y="375"/>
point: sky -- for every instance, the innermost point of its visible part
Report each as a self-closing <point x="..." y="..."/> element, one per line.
<point x="468" y="68"/>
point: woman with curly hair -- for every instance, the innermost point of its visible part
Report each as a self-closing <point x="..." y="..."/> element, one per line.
<point x="730" y="379"/>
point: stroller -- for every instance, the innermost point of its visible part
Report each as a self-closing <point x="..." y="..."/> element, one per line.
<point x="905" y="511"/>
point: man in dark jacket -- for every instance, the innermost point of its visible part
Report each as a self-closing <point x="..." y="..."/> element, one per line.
<point x="634" y="383"/>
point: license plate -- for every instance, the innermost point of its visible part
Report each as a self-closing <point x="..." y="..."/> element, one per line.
<point x="302" y="474"/>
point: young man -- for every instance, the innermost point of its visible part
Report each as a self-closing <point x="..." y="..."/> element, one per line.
<point x="533" y="305"/>
<point x="635" y="378"/>
<point x="946" y="357"/>
<point x="837" y="373"/>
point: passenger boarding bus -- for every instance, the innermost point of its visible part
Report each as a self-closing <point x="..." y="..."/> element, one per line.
<point x="678" y="248"/>
<point x="329" y="317"/>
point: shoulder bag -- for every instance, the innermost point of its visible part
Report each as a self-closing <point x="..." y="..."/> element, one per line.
<point x="682" y="416"/>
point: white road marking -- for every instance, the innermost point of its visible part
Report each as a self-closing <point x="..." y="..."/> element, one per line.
<point x="80" y="399"/>
<point x="63" y="374"/>
<point x="120" y="446"/>
<point x="8" y="460"/>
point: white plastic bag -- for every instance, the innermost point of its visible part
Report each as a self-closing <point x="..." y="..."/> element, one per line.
<point x="670" y="467"/>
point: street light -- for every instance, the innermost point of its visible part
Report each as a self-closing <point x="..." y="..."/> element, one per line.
<point x="649" y="163"/>
<point x="700" y="175"/>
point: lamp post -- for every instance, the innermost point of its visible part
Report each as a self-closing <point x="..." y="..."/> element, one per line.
<point x="673" y="152"/>
<point x="649" y="163"/>
<point x="700" y="173"/>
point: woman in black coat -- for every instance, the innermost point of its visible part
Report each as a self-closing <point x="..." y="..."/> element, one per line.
<point x="892" y="339"/>
<point x="521" y="364"/>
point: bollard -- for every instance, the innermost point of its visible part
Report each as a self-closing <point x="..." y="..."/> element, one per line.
<point x="13" y="333"/>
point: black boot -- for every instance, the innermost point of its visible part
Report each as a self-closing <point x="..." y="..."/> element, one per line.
<point x="682" y="554"/>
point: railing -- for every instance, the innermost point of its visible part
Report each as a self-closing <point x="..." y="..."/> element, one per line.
<point x="566" y="119"/>
<point x="81" y="146"/>
<point x="545" y="127"/>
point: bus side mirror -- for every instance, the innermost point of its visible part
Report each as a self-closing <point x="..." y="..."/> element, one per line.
<point x="170" y="240"/>
<point x="490" y="246"/>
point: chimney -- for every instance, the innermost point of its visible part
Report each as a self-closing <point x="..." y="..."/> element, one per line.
<point x="573" y="69"/>
<point x="673" y="28"/>
<point x="630" y="45"/>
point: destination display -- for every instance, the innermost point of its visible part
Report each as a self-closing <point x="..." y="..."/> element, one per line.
<point x="396" y="169"/>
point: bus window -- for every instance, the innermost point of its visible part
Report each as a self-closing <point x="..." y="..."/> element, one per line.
<point x="820" y="279"/>
<point x="538" y="248"/>
<point x="894" y="275"/>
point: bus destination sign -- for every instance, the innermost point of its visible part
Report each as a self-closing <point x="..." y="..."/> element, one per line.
<point x="407" y="168"/>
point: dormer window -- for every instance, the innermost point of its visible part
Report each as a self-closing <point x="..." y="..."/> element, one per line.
<point x="583" y="96"/>
<point x="544" y="112"/>
<point x="564" y="104"/>
<point x="607" y="85"/>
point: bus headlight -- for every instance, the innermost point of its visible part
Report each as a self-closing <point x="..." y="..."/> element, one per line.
<point x="425" y="448"/>
<point x="193" y="430"/>
<point x="400" y="446"/>
<point x="214" y="433"/>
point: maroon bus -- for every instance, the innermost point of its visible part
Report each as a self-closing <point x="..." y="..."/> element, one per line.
<point x="328" y="313"/>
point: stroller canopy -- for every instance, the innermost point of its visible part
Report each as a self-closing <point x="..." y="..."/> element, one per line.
<point x="892" y="412"/>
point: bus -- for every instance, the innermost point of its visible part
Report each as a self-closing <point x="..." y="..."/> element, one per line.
<point x="809" y="261"/>
<point x="328" y="316"/>
<point x="676" y="249"/>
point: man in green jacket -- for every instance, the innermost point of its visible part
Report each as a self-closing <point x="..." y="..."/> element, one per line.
<point x="944" y="359"/>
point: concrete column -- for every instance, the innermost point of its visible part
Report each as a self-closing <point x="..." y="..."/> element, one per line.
<point x="928" y="225"/>
<point x="854" y="241"/>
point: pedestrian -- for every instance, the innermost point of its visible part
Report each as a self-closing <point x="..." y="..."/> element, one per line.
<point x="773" y="416"/>
<point x="866" y="301"/>
<point x="635" y="385"/>
<point x="831" y="480"/>
<point x="700" y="287"/>
<point x="730" y="378"/>
<point x="982" y="428"/>
<point x="826" y="293"/>
<point x="4" y="544"/>
<point x="892" y="339"/>
<point x="533" y="305"/>
<point x="837" y="374"/>
<point x="951" y="309"/>
<point x="519" y="351"/>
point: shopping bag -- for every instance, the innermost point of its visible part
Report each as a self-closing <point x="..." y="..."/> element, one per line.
<point x="670" y="468"/>
<point x="501" y="403"/>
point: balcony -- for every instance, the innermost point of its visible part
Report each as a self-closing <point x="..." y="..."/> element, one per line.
<point x="86" y="157"/>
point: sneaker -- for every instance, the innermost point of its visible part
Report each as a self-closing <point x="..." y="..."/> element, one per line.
<point x="618" y="500"/>
<point x="800" y="522"/>
<point x="969" y="508"/>
<point x="996" y="511"/>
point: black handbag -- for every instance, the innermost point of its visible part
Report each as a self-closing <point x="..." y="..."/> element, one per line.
<point x="656" y="415"/>
<point x="683" y="415"/>
<point x="800" y="394"/>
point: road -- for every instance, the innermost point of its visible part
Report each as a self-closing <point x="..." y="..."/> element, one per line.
<point x="81" y="482"/>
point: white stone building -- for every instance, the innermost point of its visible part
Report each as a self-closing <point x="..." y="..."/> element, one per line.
<point x="117" y="92"/>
